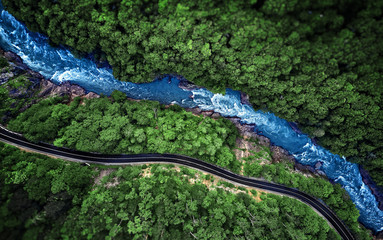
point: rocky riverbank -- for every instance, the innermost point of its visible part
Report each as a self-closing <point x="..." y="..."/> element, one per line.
<point x="44" y="88"/>
<point x="279" y="153"/>
<point x="246" y="131"/>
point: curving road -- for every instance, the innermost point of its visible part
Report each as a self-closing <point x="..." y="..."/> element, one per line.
<point x="72" y="155"/>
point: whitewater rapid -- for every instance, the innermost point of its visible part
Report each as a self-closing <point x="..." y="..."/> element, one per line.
<point x="59" y="65"/>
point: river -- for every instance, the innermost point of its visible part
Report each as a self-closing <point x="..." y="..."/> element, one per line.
<point x="59" y="65"/>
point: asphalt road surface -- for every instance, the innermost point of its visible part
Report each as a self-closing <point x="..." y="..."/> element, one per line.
<point x="122" y="159"/>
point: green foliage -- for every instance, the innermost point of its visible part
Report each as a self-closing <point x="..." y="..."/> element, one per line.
<point x="120" y="126"/>
<point x="115" y="126"/>
<point x="318" y="64"/>
<point x="42" y="121"/>
<point x="15" y="94"/>
<point x="333" y="195"/>
<point x="41" y="175"/>
<point x="163" y="206"/>
<point x="18" y="82"/>
<point x="37" y="191"/>
<point x="48" y="199"/>
<point x="3" y="62"/>
<point x="118" y="96"/>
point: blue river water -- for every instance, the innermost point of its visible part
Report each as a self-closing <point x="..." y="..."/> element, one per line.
<point x="59" y="65"/>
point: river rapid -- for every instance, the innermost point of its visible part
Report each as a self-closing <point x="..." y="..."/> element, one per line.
<point x="59" y="65"/>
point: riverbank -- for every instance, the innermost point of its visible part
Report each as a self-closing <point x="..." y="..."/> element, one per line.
<point x="45" y="87"/>
<point x="248" y="129"/>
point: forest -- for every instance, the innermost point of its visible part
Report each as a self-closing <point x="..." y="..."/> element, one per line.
<point x="332" y="194"/>
<point x="43" y="198"/>
<point x="118" y="125"/>
<point x="105" y="125"/>
<point x="317" y="63"/>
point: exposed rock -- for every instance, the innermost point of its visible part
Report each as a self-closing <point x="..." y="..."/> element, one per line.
<point x="245" y="98"/>
<point x="247" y="131"/>
<point x="68" y="89"/>
<point x="216" y="115"/>
<point x="295" y="127"/>
<point x="28" y="106"/>
<point x="320" y="172"/>
<point x="184" y="84"/>
<point x="207" y="113"/>
<point x="244" y="148"/>
<point x="49" y="89"/>
<point x="77" y="91"/>
<point x="136" y="100"/>
<point x="91" y="95"/>
<point x="46" y="88"/>
<point x="304" y="168"/>
<point x="196" y="110"/>
<point x="61" y="90"/>
<point x="4" y="77"/>
<point x="309" y="169"/>
<point x="278" y="154"/>
<point x="18" y="93"/>
<point x="241" y="127"/>
<point x="12" y="57"/>
<point x="318" y="165"/>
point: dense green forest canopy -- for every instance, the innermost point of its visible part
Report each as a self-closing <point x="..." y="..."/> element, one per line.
<point x="43" y="198"/>
<point x="314" y="62"/>
<point x="106" y="126"/>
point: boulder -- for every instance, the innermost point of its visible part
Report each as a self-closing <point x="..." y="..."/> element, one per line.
<point x="216" y="115"/>
<point x="245" y="99"/>
<point x="76" y="91"/>
<point x="320" y="172"/>
<point x="207" y="113"/>
<point x="4" y="77"/>
<point x="278" y="154"/>
<point x="304" y="168"/>
<point x="184" y="84"/>
<point x="48" y="88"/>
<point x="35" y="74"/>
<point x="196" y="110"/>
<point x="318" y="165"/>
<point x="12" y="57"/>
<point x="91" y="95"/>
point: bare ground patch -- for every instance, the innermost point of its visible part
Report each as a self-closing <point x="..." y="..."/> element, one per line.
<point x="102" y="174"/>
